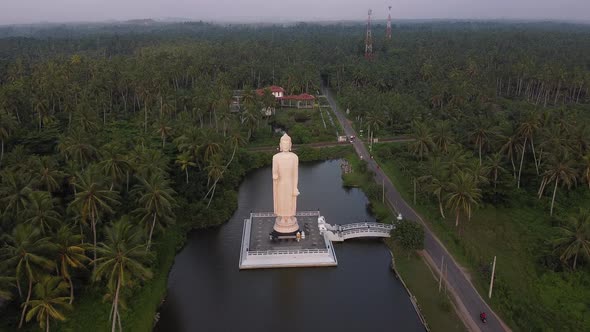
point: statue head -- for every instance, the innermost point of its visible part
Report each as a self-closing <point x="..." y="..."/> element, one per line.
<point x="285" y="143"/>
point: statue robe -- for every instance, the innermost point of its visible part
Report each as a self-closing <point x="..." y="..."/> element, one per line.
<point x="285" y="174"/>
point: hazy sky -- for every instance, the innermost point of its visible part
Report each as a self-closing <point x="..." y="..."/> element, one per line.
<point x="29" y="11"/>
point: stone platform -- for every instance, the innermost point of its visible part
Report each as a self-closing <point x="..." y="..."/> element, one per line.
<point x="258" y="251"/>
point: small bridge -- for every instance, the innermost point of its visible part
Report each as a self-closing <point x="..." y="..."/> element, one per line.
<point x="339" y="233"/>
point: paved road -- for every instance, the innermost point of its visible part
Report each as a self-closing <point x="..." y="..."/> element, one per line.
<point x="468" y="300"/>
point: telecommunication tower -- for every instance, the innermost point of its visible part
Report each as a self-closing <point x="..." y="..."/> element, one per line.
<point x="369" y="39"/>
<point x="388" y="32"/>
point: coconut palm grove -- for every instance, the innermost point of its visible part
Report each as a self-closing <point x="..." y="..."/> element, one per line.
<point x="117" y="140"/>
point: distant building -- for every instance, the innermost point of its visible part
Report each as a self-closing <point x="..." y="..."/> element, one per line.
<point x="276" y="91"/>
<point x="235" y="105"/>
<point x="303" y="100"/>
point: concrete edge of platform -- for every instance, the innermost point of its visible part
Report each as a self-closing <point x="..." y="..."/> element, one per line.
<point x="275" y="266"/>
<point x="302" y="260"/>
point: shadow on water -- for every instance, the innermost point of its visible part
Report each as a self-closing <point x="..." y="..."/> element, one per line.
<point x="207" y="291"/>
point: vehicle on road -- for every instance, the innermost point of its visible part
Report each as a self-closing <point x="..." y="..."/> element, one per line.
<point x="483" y="317"/>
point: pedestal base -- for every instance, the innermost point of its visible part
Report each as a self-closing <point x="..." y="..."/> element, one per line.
<point x="286" y="225"/>
<point x="258" y="251"/>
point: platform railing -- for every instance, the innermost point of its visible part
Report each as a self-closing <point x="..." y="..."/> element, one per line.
<point x="286" y="252"/>
<point x="299" y="213"/>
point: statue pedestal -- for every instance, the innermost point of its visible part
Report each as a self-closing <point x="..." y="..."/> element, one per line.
<point x="261" y="251"/>
<point x="286" y="225"/>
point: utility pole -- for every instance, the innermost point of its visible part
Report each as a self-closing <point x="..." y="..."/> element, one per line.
<point x="492" y="278"/>
<point x="414" y="191"/>
<point x="442" y="262"/>
<point x="383" y="196"/>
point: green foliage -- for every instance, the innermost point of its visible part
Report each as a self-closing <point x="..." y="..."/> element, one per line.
<point x="85" y="119"/>
<point x="519" y="231"/>
<point x="410" y="235"/>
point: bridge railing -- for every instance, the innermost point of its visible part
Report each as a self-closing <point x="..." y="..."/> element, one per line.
<point x="365" y="225"/>
<point x="357" y="231"/>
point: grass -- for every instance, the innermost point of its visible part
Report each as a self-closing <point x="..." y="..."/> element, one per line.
<point x="527" y="294"/>
<point x="91" y="312"/>
<point x="303" y="125"/>
<point x="436" y="307"/>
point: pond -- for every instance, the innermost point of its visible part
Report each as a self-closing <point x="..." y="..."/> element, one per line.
<point x="207" y="291"/>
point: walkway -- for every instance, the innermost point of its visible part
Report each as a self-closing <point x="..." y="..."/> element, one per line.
<point x="468" y="300"/>
<point x="339" y="233"/>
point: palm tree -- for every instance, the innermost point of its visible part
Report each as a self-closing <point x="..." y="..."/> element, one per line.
<point x="235" y="141"/>
<point x="47" y="176"/>
<point x="7" y="125"/>
<point x="122" y="262"/>
<point x="526" y="130"/>
<point x="374" y="121"/>
<point x="163" y="129"/>
<point x="114" y="165"/>
<point x="70" y="254"/>
<point x="479" y="172"/>
<point x="249" y="118"/>
<point x="574" y="238"/>
<point x="462" y="195"/>
<point x="495" y="167"/>
<point x="442" y="136"/>
<point x="148" y="162"/>
<point x="76" y="148"/>
<point x="6" y="284"/>
<point x="435" y="183"/>
<point x="560" y="170"/>
<point x="15" y="192"/>
<point x="211" y="148"/>
<point x="226" y="118"/>
<point x="509" y="150"/>
<point x="184" y="161"/>
<point x="26" y="251"/>
<point x="190" y="142"/>
<point x="91" y="200"/>
<point x="422" y="144"/>
<point x="40" y="212"/>
<point x="49" y="301"/>
<point x="156" y="203"/>
<point x="586" y="169"/>
<point x="554" y="142"/>
<point x="215" y="171"/>
<point x="480" y="136"/>
<point x="456" y="159"/>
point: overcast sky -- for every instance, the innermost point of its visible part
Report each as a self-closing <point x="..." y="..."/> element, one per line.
<point x="31" y="11"/>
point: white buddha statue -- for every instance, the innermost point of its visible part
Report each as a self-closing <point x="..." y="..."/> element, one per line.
<point x="285" y="171"/>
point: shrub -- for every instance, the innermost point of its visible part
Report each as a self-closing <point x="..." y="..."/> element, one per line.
<point x="410" y="235"/>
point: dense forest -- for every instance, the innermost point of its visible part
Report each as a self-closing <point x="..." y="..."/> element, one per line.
<point x="118" y="139"/>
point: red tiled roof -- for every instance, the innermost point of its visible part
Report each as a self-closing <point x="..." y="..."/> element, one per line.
<point x="272" y="88"/>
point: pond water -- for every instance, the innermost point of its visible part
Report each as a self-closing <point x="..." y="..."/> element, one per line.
<point x="207" y="291"/>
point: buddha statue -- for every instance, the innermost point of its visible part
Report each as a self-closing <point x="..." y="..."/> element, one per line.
<point x="285" y="166"/>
